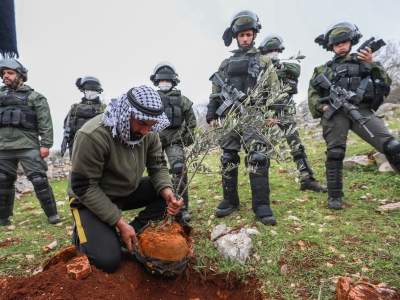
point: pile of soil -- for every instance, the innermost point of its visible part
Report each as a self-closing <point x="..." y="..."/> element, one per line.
<point x="165" y="241"/>
<point x="131" y="281"/>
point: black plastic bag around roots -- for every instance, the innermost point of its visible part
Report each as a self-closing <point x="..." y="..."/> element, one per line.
<point x="163" y="267"/>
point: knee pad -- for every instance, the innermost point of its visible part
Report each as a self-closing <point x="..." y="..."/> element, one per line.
<point x="39" y="182"/>
<point x="176" y="168"/>
<point x="6" y="180"/>
<point x="335" y="154"/>
<point x="391" y="147"/>
<point x="230" y="157"/>
<point x="392" y="151"/>
<point x="257" y="159"/>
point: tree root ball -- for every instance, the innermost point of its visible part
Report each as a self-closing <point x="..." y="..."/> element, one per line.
<point x="165" y="241"/>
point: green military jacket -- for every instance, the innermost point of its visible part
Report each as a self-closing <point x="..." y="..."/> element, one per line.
<point x="186" y="133"/>
<point x="104" y="169"/>
<point x="12" y="138"/>
<point x="265" y="63"/>
<point x="315" y="93"/>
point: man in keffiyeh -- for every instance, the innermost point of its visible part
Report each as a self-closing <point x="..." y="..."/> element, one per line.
<point x="111" y="152"/>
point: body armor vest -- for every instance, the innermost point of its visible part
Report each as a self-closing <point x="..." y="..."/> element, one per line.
<point x="15" y="111"/>
<point x="173" y="110"/>
<point x="354" y="77"/>
<point x="83" y="113"/>
<point x="242" y="72"/>
<point x="292" y="82"/>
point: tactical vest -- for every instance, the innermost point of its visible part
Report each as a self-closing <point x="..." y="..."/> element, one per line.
<point x="354" y="77"/>
<point x="173" y="110"/>
<point x="242" y="72"/>
<point x="292" y="82"/>
<point x="15" y="111"/>
<point x="83" y="113"/>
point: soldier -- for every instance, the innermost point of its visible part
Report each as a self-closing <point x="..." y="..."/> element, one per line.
<point x="289" y="73"/>
<point x="242" y="70"/>
<point x="182" y="120"/>
<point x="26" y="135"/>
<point x="89" y="107"/>
<point x="362" y="78"/>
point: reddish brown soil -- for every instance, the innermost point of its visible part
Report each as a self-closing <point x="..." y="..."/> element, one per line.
<point x="165" y="241"/>
<point x="131" y="281"/>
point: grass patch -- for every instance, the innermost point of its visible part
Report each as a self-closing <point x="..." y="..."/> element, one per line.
<point x="295" y="259"/>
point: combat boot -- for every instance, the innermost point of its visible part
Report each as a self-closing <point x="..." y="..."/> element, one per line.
<point x="312" y="185"/>
<point x="335" y="185"/>
<point x="54" y="219"/>
<point x="7" y="195"/>
<point x="44" y="194"/>
<point x="230" y="203"/>
<point x="335" y="203"/>
<point x="5" y="222"/>
<point x="185" y="214"/>
<point x="259" y="182"/>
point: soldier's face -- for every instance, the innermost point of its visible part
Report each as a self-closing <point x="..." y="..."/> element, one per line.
<point x="140" y="128"/>
<point x="10" y="77"/>
<point x="340" y="47"/>
<point x="246" y="37"/>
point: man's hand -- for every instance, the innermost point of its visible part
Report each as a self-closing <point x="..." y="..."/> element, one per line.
<point x="44" y="152"/>
<point x="365" y="55"/>
<point x="272" y="123"/>
<point x="325" y="107"/>
<point x="174" y="205"/>
<point x="128" y="234"/>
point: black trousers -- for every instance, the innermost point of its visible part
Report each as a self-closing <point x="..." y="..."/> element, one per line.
<point x="100" y="241"/>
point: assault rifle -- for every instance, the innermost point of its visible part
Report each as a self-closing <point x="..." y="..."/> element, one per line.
<point x="66" y="137"/>
<point x="229" y="95"/>
<point x="337" y="98"/>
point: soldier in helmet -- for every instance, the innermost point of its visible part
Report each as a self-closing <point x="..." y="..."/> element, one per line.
<point x="26" y="135"/>
<point x="242" y="70"/>
<point x="89" y="107"/>
<point x="289" y="73"/>
<point x="363" y="78"/>
<point x="180" y="132"/>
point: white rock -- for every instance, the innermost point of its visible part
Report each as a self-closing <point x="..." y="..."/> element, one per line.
<point x="363" y="197"/>
<point x="219" y="231"/>
<point x="293" y="218"/>
<point x="385" y="168"/>
<point x="249" y="231"/>
<point x="379" y="158"/>
<point x="353" y="161"/>
<point x="236" y="247"/>
<point x="199" y="201"/>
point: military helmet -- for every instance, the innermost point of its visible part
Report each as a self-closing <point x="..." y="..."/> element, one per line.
<point x="89" y="83"/>
<point x="272" y="42"/>
<point x="164" y="71"/>
<point x="242" y="20"/>
<point x="13" y="64"/>
<point x="338" y="32"/>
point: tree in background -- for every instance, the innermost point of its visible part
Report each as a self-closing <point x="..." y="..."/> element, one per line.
<point x="389" y="56"/>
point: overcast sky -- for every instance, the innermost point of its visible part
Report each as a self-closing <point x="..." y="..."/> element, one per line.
<point x="121" y="41"/>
